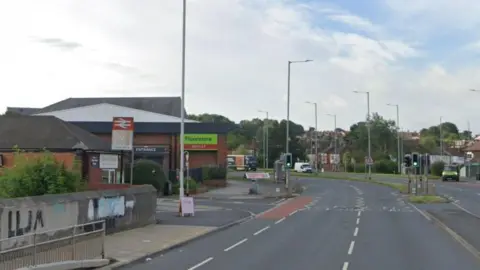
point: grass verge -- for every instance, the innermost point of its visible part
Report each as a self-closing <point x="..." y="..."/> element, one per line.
<point x="423" y="199"/>
<point x="402" y="188"/>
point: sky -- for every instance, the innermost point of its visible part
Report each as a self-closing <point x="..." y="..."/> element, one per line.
<point x="420" y="54"/>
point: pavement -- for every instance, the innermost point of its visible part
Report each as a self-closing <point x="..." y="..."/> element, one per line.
<point x="334" y="224"/>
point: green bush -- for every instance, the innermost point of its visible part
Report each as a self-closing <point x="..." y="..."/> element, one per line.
<point x="148" y="172"/>
<point x="385" y="166"/>
<point x="358" y="168"/>
<point x="437" y="168"/>
<point x="192" y="185"/>
<point x="39" y="175"/>
<point x="214" y="173"/>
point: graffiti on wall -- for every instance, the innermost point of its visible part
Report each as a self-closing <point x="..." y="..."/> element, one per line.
<point x="23" y="220"/>
<point x="106" y="207"/>
<point x="34" y="221"/>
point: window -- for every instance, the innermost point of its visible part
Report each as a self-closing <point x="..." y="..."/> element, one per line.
<point x="112" y="177"/>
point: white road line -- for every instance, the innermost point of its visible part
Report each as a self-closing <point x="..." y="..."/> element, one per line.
<point x="358" y="221"/>
<point x="350" y="249"/>
<point x="200" y="264"/>
<point x="359" y="213"/>
<point x="463" y="209"/>
<point x="421" y="212"/>
<point x="293" y="213"/>
<point x="236" y="245"/>
<point x="280" y="220"/>
<point x="355" y="233"/>
<point x="345" y="266"/>
<point x="262" y="230"/>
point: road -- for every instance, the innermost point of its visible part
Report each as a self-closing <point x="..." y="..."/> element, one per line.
<point x="334" y="225"/>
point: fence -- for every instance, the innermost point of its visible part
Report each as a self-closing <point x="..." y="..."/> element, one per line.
<point x="75" y="243"/>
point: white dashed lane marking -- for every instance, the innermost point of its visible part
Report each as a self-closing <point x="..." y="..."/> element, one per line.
<point x="236" y="245"/>
<point x="350" y="249"/>
<point x="200" y="264"/>
<point x="262" y="230"/>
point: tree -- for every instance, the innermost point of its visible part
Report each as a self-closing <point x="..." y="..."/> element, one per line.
<point x="383" y="138"/>
<point x="430" y="137"/>
<point x="248" y="133"/>
<point x="34" y="176"/>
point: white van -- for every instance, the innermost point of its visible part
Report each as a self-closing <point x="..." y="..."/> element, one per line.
<point x="302" y="167"/>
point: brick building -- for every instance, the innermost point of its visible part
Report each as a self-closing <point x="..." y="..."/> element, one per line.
<point x="67" y="142"/>
<point x="157" y="128"/>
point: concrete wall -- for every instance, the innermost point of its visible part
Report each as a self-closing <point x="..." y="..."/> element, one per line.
<point x="122" y="209"/>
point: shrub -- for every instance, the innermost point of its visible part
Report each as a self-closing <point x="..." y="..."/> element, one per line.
<point x="39" y="175"/>
<point x="214" y="173"/>
<point x="192" y="185"/>
<point x="437" y="168"/>
<point x="385" y="166"/>
<point x="358" y="168"/>
<point x="148" y="172"/>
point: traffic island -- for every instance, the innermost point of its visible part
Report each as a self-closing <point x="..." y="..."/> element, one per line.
<point x="427" y="199"/>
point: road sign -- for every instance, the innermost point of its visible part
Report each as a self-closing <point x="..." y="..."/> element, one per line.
<point x="368" y="160"/>
<point x="122" y="133"/>
<point x="470" y="156"/>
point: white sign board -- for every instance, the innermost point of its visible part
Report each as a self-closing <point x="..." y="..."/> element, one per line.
<point x="257" y="175"/>
<point x="122" y="133"/>
<point x="188" y="206"/>
<point x="108" y="161"/>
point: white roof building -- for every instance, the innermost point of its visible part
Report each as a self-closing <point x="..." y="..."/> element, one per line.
<point x="105" y="112"/>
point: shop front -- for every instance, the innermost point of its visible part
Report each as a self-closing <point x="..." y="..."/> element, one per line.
<point x="202" y="149"/>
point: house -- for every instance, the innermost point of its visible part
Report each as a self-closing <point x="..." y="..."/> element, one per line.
<point x="67" y="142"/>
<point x="157" y="128"/>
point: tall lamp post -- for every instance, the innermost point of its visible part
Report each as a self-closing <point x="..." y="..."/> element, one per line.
<point x="335" y="137"/>
<point x="287" y="137"/>
<point x="368" y="132"/>
<point x="399" y="154"/>
<point x="316" y="135"/>
<point x="441" y="136"/>
<point x="265" y="140"/>
<point x="182" y="106"/>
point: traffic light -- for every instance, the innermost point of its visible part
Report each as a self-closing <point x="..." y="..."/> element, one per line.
<point x="407" y="159"/>
<point x="288" y="160"/>
<point x="415" y="159"/>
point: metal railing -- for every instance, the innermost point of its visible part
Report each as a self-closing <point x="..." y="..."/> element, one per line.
<point x="74" y="243"/>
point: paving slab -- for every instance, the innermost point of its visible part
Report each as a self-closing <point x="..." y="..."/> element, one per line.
<point x="129" y="246"/>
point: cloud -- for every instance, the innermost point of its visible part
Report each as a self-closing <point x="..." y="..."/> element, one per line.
<point x="59" y="43"/>
<point x="236" y="58"/>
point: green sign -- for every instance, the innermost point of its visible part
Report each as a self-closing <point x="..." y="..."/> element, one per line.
<point x="211" y="139"/>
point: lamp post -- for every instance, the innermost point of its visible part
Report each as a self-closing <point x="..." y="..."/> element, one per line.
<point x="316" y="135"/>
<point x="265" y="140"/>
<point x="287" y="137"/>
<point x="182" y="106"/>
<point x="335" y="137"/>
<point x="368" y="132"/>
<point x="441" y="136"/>
<point x="399" y="154"/>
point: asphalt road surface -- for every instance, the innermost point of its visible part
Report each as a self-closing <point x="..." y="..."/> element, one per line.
<point x="334" y="225"/>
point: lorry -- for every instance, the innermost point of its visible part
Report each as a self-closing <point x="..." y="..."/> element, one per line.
<point x="242" y="162"/>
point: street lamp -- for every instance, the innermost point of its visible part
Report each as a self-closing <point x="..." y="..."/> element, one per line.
<point x="182" y="106"/>
<point x="441" y="136"/>
<point x="265" y="140"/>
<point x="399" y="155"/>
<point x="316" y="135"/>
<point x="288" y="117"/>
<point x="334" y="136"/>
<point x="368" y="132"/>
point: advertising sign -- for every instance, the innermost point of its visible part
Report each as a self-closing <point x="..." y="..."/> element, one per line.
<point x="122" y="133"/>
<point x="201" y="141"/>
